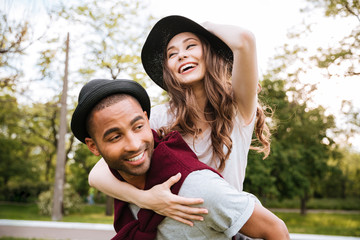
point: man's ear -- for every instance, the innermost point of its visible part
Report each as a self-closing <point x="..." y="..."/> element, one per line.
<point x="90" y="143"/>
<point x="146" y="115"/>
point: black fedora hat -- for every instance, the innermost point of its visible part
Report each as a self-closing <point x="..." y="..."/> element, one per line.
<point x="152" y="54"/>
<point x="96" y="90"/>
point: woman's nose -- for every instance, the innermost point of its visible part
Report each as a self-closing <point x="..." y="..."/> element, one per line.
<point x="182" y="55"/>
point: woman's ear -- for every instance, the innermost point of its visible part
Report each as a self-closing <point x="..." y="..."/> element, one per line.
<point x="90" y="143"/>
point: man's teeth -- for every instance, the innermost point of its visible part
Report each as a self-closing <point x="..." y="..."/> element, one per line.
<point x="136" y="158"/>
<point x="189" y="65"/>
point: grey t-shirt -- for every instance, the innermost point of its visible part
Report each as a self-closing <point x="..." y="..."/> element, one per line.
<point x="228" y="209"/>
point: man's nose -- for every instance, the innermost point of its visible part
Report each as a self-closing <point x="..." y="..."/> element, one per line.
<point x="133" y="142"/>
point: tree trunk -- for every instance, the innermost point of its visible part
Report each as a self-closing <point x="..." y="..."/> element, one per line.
<point x="57" y="212"/>
<point x="303" y="201"/>
<point x="109" y="206"/>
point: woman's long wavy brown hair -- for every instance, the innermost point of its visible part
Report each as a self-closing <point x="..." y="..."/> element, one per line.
<point x="220" y="108"/>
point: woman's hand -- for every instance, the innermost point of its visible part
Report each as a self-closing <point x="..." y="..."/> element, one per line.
<point x="235" y="37"/>
<point x="160" y="199"/>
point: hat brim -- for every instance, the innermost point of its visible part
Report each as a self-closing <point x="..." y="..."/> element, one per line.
<point x="96" y="90"/>
<point x="152" y="54"/>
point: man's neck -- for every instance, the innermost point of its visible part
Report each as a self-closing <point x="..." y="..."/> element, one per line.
<point x="136" y="181"/>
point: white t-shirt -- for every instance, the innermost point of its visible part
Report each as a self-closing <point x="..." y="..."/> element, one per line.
<point x="235" y="166"/>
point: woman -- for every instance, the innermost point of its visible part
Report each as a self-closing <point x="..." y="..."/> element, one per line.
<point x="210" y="74"/>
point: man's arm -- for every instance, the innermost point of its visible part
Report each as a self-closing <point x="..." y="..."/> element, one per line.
<point x="231" y="211"/>
<point x="264" y="224"/>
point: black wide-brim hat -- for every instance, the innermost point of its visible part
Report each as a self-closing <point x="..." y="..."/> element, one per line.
<point x="152" y="54"/>
<point x="96" y="90"/>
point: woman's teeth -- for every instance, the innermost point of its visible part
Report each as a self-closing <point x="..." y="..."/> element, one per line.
<point x="136" y="158"/>
<point x="186" y="67"/>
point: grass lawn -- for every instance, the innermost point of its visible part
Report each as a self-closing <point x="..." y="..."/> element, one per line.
<point x="312" y="223"/>
<point x="322" y="223"/>
<point x="87" y="214"/>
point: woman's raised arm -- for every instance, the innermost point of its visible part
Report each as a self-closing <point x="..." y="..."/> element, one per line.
<point x="245" y="69"/>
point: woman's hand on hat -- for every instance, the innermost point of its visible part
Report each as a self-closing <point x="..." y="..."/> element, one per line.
<point x="235" y="37"/>
<point x="160" y="199"/>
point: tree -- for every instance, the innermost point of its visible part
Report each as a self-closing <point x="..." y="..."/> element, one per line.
<point x="61" y="153"/>
<point x="13" y="42"/>
<point x="80" y="168"/>
<point x="114" y="35"/>
<point x="12" y="150"/>
<point x="301" y="145"/>
<point x="104" y="38"/>
<point x="342" y="59"/>
<point x="113" y="39"/>
<point x="304" y="152"/>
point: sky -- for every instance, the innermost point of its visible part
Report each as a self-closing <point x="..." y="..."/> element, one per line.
<point x="270" y="21"/>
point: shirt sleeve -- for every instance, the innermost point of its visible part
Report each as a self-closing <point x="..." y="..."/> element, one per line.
<point x="159" y="116"/>
<point x="228" y="208"/>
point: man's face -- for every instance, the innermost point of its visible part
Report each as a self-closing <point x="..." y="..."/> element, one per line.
<point x="123" y="137"/>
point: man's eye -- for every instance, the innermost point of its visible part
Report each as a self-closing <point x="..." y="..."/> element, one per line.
<point x="114" y="138"/>
<point x="139" y="126"/>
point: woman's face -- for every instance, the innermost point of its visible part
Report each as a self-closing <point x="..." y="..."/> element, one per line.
<point x="184" y="58"/>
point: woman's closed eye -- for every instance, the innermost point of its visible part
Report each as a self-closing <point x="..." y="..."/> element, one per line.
<point x="172" y="54"/>
<point x="190" y="46"/>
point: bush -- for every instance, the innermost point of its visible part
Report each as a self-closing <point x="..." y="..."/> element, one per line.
<point x="23" y="191"/>
<point x="71" y="201"/>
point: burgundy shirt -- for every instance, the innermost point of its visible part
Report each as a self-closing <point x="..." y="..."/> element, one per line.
<point x="171" y="155"/>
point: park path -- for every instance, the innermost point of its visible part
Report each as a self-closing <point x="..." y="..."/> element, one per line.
<point x="92" y="231"/>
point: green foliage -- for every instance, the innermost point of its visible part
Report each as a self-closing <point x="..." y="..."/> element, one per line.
<point x="16" y="164"/>
<point x="300" y="144"/>
<point x="25" y="191"/>
<point x="349" y="165"/>
<point x="107" y="40"/>
<point x="259" y="180"/>
<point x="13" y="39"/>
<point x="333" y="8"/>
<point x="314" y="203"/>
<point x="71" y="201"/>
<point x="80" y="168"/>
<point x="305" y="161"/>
<point x="113" y="38"/>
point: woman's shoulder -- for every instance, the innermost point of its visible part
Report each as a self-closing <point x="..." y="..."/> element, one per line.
<point x="160" y="110"/>
<point x="159" y="115"/>
<point x="160" y="106"/>
<point x="240" y="122"/>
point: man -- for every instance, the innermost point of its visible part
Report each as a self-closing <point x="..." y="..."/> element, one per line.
<point x="112" y="119"/>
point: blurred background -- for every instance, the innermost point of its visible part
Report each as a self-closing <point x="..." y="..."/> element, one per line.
<point x="309" y="65"/>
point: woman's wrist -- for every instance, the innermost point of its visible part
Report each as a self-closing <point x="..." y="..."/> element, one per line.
<point x="138" y="197"/>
